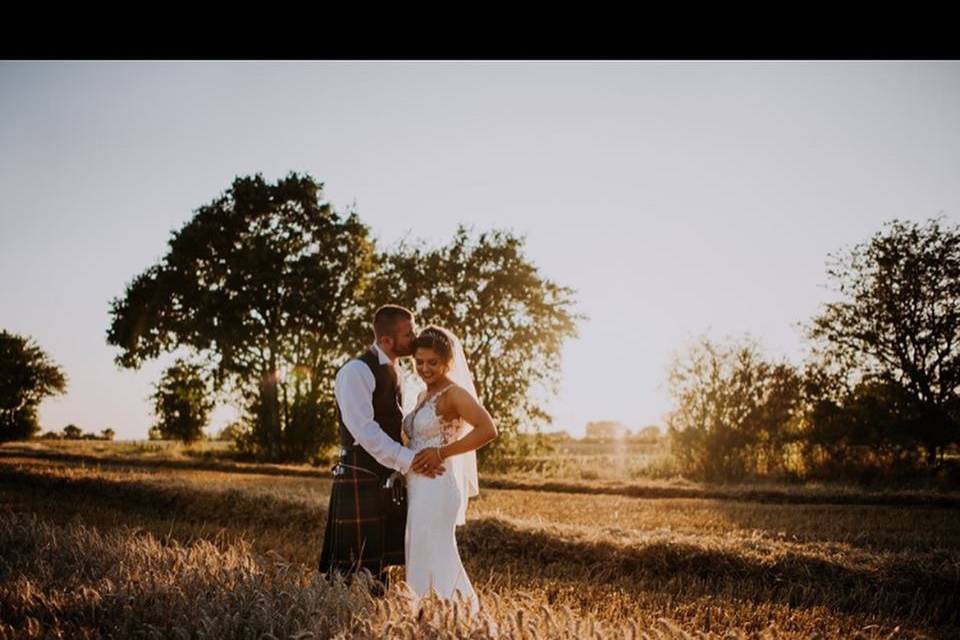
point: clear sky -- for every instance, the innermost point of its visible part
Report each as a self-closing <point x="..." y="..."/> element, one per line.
<point x="677" y="198"/>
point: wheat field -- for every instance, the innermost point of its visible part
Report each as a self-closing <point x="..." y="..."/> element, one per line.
<point x="115" y="540"/>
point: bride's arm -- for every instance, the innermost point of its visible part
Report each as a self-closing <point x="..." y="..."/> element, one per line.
<point x="484" y="430"/>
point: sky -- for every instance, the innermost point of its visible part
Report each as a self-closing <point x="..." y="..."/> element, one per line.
<point x="678" y="198"/>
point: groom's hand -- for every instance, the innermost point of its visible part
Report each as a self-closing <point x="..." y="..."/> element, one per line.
<point x="427" y="463"/>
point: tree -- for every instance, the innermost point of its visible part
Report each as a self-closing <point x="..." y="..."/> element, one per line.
<point x="262" y="283"/>
<point x="897" y="324"/>
<point x="512" y="320"/>
<point x="230" y="433"/>
<point x="735" y="410"/>
<point x="877" y="425"/>
<point x="27" y="376"/>
<point x="72" y="432"/>
<point x="108" y="434"/>
<point x="181" y="402"/>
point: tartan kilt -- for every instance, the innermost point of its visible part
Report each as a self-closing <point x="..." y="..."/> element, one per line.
<point x="365" y="528"/>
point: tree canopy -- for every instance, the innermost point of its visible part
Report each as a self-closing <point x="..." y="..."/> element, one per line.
<point x="511" y="319"/>
<point x="260" y="282"/>
<point x="27" y="376"/>
<point x="896" y="326"/>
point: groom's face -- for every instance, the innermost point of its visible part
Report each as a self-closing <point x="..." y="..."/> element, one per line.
<point x="403" y="338"/>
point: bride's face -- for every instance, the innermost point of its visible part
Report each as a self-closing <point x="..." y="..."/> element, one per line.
<point x="430" y="366"/>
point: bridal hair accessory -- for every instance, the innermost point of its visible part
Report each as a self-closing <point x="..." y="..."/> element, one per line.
<point x="436" y="332"/>
<point x="440" y="335"/>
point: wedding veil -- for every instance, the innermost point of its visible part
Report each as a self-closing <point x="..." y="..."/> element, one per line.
<point x="464" y="466"/>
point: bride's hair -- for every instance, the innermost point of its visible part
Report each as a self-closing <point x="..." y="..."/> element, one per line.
<point x="434" y="338"/>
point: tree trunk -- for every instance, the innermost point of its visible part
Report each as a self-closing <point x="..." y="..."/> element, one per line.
<point x="270" y="413"/>
<point x="286" y="412"/>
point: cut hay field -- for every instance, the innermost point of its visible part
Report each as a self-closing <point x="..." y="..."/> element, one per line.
<point x="123" y="540"/>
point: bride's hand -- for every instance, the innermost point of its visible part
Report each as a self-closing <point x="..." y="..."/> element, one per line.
<point x="427" y="462"/>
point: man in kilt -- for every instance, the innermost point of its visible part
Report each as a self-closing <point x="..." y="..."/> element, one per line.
<point x="366" y="520"/>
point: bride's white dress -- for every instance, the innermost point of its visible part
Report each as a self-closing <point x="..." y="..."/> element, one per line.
<point x="433" y="561"/>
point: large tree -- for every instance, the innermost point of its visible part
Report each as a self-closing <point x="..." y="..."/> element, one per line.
<point x="27" y="376"/>
<point x="262" y="281"/>
<point x="897" y="323"/>
<point x="512" y="320"/>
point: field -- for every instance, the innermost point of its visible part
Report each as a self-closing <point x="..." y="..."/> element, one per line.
<point x="127" y="540"/>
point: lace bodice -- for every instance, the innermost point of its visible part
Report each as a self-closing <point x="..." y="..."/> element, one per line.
<point x="424" y="428"/>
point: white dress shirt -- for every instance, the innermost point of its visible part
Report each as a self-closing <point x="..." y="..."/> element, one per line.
<point x="353" y="388"/>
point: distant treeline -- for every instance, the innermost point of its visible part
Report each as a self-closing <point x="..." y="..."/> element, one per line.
<point x="73" y="432"/>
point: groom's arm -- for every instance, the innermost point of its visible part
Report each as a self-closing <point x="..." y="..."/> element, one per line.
<point x="353" y="388"/>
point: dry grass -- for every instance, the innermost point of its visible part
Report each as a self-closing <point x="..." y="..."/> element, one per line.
<point x="216" y="457"/>
<point x="202" y="547"/>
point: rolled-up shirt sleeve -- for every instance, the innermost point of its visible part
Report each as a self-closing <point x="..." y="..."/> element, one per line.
<point x="353" y="388"/>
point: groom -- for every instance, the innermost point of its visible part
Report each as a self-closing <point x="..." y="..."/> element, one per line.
<point x="367" y="516"/>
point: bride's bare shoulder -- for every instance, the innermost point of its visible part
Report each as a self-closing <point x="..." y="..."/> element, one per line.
<point x="458" y="394"/>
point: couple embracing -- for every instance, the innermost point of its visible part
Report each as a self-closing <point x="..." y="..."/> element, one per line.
<point x="402" y="481"/>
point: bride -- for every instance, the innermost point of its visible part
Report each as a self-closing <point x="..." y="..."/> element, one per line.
<point x="449" y="420"/>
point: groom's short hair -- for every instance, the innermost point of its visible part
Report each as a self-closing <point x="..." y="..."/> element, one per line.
<point x="385" y="319"/>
